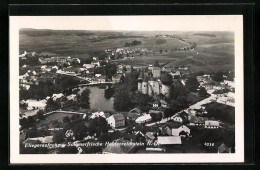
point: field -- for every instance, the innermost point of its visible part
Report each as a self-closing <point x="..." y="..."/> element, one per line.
<point x="53" y="117"/>
<point x="214" y="51"/>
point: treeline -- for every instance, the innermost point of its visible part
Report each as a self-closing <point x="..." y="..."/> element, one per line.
<point x="133" y="43"/>
<point x="37" y="33"/>
<point x="63" y="84"/>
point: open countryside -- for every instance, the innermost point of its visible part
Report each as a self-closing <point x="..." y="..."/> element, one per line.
<point x="130" y="92"/>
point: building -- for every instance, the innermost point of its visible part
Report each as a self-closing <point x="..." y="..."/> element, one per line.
<point x="169" y="140"/>
<point x="156" y="104"/>
<point x="198" y="121"/>
<point x="156" y="71"/>
<point x="181" y="130"/>
<point x="99" y="114"/>
<point x="117" y="78"/>
<point x="72" y="70"/>
<point x="133" y="115"/>
<point x="181" y="118"/>
<point x="224" y="149"/>
<point x="143" y="119"/>
<point x="149" y="85"/>
<point x="44" y="139"/>
<point x="211" y="124"/>
<point x="34" y="104"/>
<point x="116" y="120"/>
<point x="57" y="96"/>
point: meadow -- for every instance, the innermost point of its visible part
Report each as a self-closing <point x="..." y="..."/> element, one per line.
<point x="214" y="52"/>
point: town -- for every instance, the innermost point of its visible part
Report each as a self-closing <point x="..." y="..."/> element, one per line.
<point x="114" y="103"/>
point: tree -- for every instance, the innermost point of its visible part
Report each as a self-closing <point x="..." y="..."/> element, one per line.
<point x="168" y="112"/>
<point x="80" y="131"/>
<point x="34" y="132"/>
<point x="192" y="84"/>
<point x="183" y="102"/>
<point x="58" y="137"/>
<point x="83" y="99"/>
<point x="175" y="106"/>
<point x="40" y="114"/>
<point x="218" y="77"/>
<point x="109" y="93"/>
<point x="66" y="120"/>
<point x="203" y="92"/>
<point x="141" y="100"/>
<point x="105" y="138"/>
<point x="156" y="64"/>
<point x="98" y="126"/>
<point x="156" y="116"/>
<point x="122" y="100"/>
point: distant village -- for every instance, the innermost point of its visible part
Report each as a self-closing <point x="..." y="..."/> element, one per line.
<point x="158" y="120"/>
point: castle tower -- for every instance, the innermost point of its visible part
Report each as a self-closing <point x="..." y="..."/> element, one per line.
<point x="166" y="85"/>
<point x="140" y="80"/>
<point x="145" y="85"/>
<point x="156" y="70"/>
<point x="150" y="86"/>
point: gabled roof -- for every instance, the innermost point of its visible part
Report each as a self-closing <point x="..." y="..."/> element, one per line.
<point x="169" y="140"/>
<point x="133" y="115"/>
<point x="46" y="139"/>
<point x="141" y="76"/>
<point x="223" y="149"/>
<point x="118" y="116"/>
<point x="166" y="79"/>
<point x="137" y="110"/>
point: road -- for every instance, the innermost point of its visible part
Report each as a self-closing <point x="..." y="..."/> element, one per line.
<point x="194" y="106"/>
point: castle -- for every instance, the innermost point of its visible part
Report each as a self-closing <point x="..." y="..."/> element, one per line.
<point x="152" y="83"/>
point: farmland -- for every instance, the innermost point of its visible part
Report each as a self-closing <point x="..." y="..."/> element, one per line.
<point x="214" y="50"/>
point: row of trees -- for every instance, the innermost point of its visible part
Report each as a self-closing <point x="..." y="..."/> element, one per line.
<point x="63" y="84"/>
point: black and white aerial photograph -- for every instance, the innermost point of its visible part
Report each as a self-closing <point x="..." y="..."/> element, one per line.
<point x="125" y="85"/>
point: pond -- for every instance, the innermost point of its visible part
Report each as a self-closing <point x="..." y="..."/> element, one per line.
<point x="97" y="99"/>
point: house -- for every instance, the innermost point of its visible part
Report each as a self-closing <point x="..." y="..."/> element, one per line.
<point x="101" y="114"/>
<point x="163" y="103"/>
<point x="102" y="79"/>
<point x="144" y="129"/>
<point x="224" y="149"/>
<point x="143" y="119"/>
<point x="44" y="139"/>
<point x="123" y="148"/>
<point x="55" y="67"/>
<point x="72" y="97"/>
<point x="198" y="121"/>
<point x="149" y="136"/>
<point x="133" y="115"/>
<point x="181" y="118"/>
<point x="156" y="104"/>
<point x="57" y="96"/>
<point x="34" y="104"/>
<point x="88" y="66"/>
<point x="181" y="130"/>
<point x="169" y="140"/>
<point x="211" y="124"/>
<point x="72" y="70"/>
<point x="117" y="78"/>
<point x="116" y="120"/>
<point x="175" y="74"/>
